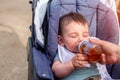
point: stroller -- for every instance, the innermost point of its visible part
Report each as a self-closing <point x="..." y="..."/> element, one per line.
<point x="42" y="44"/>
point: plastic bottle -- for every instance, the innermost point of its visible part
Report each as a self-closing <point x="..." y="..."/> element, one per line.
<point x="93" y="51"/>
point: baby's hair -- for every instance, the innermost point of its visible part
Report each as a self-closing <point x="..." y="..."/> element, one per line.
<point x="71" y="17"/>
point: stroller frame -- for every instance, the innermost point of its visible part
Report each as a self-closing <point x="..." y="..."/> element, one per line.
<point x="31" y="69"/>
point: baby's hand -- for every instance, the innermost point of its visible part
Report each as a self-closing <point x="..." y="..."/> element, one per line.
<point x="80" y="61"/>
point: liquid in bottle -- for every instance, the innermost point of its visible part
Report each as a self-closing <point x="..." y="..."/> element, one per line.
<point x="93" y="51"/>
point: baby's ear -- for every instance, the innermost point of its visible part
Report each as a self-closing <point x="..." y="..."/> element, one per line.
<point x="60" y="40"/>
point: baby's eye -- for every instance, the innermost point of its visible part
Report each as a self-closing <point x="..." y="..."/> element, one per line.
<point x="85" y="35"/>
<point x="73" y="36"/>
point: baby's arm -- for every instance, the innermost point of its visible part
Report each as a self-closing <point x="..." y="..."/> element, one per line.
<point x="64" y="69"/>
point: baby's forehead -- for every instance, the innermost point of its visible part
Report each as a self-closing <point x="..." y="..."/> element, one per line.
<point x="74" y="23"/>
<point x="75" y="26"/>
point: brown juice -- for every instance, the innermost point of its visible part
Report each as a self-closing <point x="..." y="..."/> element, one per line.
<point x="93" y="55"/>
<point x="93" y="51"/>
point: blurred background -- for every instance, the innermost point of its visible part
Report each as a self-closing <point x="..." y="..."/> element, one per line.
<point x="15" y="18"/>
<point x="118" y="9"/>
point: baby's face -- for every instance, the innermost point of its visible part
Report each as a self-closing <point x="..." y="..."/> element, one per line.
<point x="73" y="34"/>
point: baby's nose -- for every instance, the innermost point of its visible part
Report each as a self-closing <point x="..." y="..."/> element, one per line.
<point x="80" y="39"/>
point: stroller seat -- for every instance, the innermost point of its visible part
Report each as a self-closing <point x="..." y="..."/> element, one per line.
<point x="42" y="44"/>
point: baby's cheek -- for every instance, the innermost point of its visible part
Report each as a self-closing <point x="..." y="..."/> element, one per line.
<point x="75" y="49"/>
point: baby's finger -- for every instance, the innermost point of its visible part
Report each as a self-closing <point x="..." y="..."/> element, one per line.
<point x="82" y="57"/>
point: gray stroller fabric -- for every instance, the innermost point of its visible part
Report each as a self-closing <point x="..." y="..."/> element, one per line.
<point x="102" y="23"/>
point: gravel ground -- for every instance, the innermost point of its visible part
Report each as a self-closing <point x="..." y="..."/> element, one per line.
<point x="15" y="18"/>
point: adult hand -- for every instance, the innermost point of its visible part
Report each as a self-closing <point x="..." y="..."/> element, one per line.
<point x="110" y="52"/>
